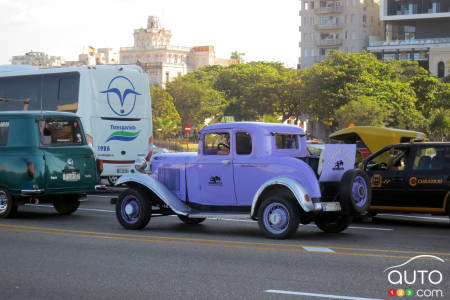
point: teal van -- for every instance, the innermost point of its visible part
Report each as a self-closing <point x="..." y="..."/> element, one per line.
<point x="44" y="157"/>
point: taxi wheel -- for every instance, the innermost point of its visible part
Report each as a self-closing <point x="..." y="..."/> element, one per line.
<point x="333" y="223"/>
<point x="278" y="217"/>
<point x="355" y="193"/>
<point x="66" y="205"/>
<point x="133" y="209"/>
<point x="8" y="205"/>
<point x="191" y="221"/>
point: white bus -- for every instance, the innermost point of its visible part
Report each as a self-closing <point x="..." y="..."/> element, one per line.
<point x="112" y="101"/>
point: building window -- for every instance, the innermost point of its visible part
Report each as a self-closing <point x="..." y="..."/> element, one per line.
<point x="441" y="69"/>
<point x="306" y="5"/>
<point x="346" y="35"/>
<point x="364" y="19"/>
<point x="312" y="4"/>
<point x="167" y="76"/>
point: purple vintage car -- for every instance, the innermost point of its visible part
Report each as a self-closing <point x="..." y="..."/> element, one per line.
<point x="251" y="170"/>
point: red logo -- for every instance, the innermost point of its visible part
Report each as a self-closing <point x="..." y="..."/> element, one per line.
<point x="392" y="292"/>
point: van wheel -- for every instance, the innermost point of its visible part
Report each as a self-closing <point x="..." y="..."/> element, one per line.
<point x="278" y="217"/>
<point x="67" y="204"/>
<point x="191" y="221"/>
<point x="133" y="209"/>
<point x="8" y="205"/>
<point x="333" y="223"/>
<point x="355" y="193"/>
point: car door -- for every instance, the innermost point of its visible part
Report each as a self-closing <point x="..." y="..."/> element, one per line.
<point x="388" y="171"/>
<point x="429" y="180"/>
<point x="210" y="178"/>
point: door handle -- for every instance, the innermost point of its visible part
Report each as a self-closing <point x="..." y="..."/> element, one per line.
<point x="226" y="162"/>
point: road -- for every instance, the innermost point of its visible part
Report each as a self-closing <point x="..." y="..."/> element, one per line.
<point x="88" y="255"/>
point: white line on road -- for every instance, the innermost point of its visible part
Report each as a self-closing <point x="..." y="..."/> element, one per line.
<point x="415" y="217"/>
<point x="318" y="295"/>
<point x="319" y="249"/>
<point x="86" y="209"/>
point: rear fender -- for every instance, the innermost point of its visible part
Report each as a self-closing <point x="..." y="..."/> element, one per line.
<point x="294" y="186"/>
<point x="156" y="187"/>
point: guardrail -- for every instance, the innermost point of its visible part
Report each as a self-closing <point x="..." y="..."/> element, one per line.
<point x="328" y="10"/>
<point x="409" y="42"/>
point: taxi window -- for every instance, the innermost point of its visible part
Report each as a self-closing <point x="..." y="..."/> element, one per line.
<point x="216" y="144"/>
<point x="392" y="159"/>
<point x="286" y="141"/>
<point x="60" y="132"/>
<point x="432" y="158"/>
<point x="4" y="130"/>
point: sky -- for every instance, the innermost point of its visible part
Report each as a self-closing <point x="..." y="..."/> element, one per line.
<point x="265" y="30"/>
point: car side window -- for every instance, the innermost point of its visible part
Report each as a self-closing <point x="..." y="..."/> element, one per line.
<point x="4" y="131"/>
<point x="216" y="144"/>
<point x="432" y="158"/>
<point x="243" y="143"/>
<point x="60" y="132"/>
<point x="392" y="159"/>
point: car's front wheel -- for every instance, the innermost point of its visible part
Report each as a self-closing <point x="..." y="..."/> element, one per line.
<point x="133" y="209"/>
<point x="333" y="223"/>
<point x="8" y="205"/>
<point x="66" y="205"/>
<point x="278" y="217"/>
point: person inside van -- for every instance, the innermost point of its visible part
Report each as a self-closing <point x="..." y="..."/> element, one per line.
<point x="45" y="133"/>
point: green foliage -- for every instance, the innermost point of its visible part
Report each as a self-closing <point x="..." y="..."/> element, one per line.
<point x="195" y="101"/>
<point x="166" y="120"/>
<point x="440" y="124"/>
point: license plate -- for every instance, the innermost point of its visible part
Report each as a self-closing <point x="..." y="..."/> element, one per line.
<point x="331" y="206"/>
<point x="71" y="176"/>
<point x="122" y="170"/>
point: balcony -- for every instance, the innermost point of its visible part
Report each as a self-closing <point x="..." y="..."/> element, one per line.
<point x="329" y="42"/>
<point x="410" y="42"/>
<point x="328" y="10"/>
<point x="327" y="26"/>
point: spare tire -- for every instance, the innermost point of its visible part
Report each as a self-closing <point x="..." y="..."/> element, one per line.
<point x="355" y="193"/>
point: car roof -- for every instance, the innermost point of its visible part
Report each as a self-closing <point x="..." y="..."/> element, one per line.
<point x="255" y="126"/>
<point x="35" y="114"/>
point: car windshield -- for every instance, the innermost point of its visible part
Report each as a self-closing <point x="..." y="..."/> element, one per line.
<point x="60" y="132"/>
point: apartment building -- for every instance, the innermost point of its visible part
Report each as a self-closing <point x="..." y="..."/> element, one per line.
<point x="161" y="60"/>
<point x="344" y="25"/>
<point x="38" y="59"/>
<point x="416" y="30"/>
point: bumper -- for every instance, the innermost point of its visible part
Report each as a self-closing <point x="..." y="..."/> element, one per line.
<point x="327" y="207"/>
<point x="32" y="192"/>
<point x="100" y="187"/>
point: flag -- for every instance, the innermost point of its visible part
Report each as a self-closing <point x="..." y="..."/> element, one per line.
<point x="91" y="51"/>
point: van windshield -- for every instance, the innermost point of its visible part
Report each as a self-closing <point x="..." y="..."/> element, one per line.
<point x="55" y="132"/>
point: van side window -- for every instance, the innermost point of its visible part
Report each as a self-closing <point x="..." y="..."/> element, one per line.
<point x="432" y="158"/>
<point x="4" y="131"/>
<point x="243" y="143"/>
<point x="60" y="132"/>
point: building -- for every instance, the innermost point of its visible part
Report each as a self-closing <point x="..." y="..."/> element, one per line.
<point x="344" y="25"/>
<point x="38" y="59"/>
<point x="100" y="56"/>
<point x="162" y="61"/>
<point x="416" y="30"/>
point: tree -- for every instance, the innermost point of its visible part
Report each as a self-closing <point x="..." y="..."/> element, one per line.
<point x="195" y="101"/>
<point x="166" y="120"/>
<point x="440" y="124"/>
<point x="362" y="112"/>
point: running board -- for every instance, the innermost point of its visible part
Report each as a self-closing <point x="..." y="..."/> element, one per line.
<point x="219" y="214"/>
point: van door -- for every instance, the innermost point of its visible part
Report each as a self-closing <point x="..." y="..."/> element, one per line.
<point x="70" y="164"/>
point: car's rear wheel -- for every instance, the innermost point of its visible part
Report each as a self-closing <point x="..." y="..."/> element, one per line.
<point x="65" y="205"/>
<point x="133" y="209"/>
<point x="112" y="180"/>
<point x="278" y="217"/>
<point x="191" y="221"/>
<point x="355" y="193"/>
<point x="333" y="223"/>
<point x="8" y="205"/>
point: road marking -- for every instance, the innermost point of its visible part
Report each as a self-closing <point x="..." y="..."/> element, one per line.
<point x="415" y="217"/>
<point x="319" y="249"/>
<point x="318" y="295"/>
<point x="281" y="247"/>
<point x="86" y="209"/>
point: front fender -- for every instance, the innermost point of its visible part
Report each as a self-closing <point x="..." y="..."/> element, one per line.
<point x="158" y="188"/>
<point x="294" y="186"/>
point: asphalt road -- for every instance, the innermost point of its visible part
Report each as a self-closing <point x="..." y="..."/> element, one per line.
<point x="88" y="255"/>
